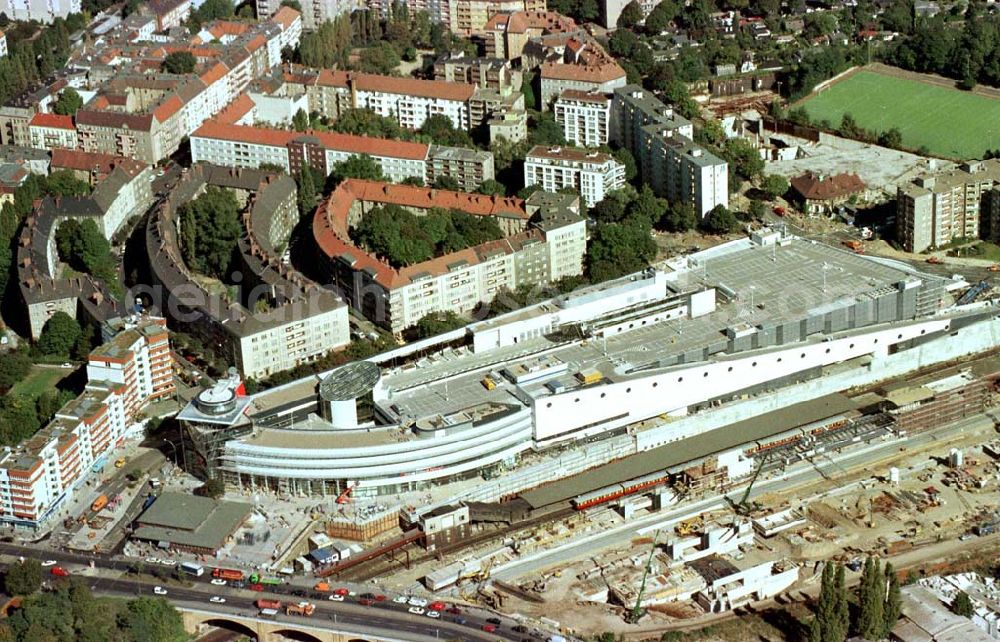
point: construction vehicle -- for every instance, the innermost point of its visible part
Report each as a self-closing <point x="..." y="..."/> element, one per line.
<point x="268" y="604"/>
<point x="637" y="611"/>
<point x="690" y="526"/>
<point x="742" y="507"/>
<point x="589" y="376"/>
<point x="856" y="246"/>
<point x="935" y="260"/>
<point x="322" y="587"/>
<point x="305" y="609"/>
<point x="345" y="497"/>
<point x="99" y="503"/>
<point x="120" y="462"/>
<point x="489" y="383"/>
<point x="994" y="268"/>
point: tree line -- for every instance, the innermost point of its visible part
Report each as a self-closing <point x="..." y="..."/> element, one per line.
<point x="879" y="604"/>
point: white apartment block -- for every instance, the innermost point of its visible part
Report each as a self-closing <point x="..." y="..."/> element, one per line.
<point x="591" y="174"/>
<point x="411" y="110"/>
<point x="40" y="474"/>
<point x="935" y="209"/>
<point x="291" y="342"/>
<point x="667" y="158"/>
<point x="314" y="12"/>
<point x="585" y="117"/>
<point x="52" y="131"/>
<point x="40" y="10"/>
<point x="3" y="44"/>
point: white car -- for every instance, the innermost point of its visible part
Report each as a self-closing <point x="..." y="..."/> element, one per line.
<point x="215" y="599"/>
<point x="48" y="563"/>
<point x="434" y="614"/>
<point x="400" y="599"/>
<point x="159" y="590"/>
<point x="336" y="598"/>
<point x="168" y="562"/>
<point x="416" y="610"/>
<point x="417" y="601"/>
<point x="219" y="582"/>
<point x="152" y="560"/>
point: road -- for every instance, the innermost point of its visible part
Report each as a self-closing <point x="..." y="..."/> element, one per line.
<point x="349" y="615"/>
<point x="799" y="475"/>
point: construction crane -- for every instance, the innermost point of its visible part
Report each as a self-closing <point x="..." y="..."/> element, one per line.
<point x="637" y="611"/>
<point x="742" y="508"/>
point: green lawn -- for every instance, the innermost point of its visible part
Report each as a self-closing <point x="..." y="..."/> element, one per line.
<point x="39" y="380"/>
<point x="949" y="122"/>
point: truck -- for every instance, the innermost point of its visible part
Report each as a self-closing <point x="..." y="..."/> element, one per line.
<point x="268" y="604"/>
<point x="99" y="503"/>
<point x="589" y="376"/>
<point x="302" y="608"/>
<point x="322" y="587"/>
<point x="191" y="568"/>
<point x="227" y="574"/>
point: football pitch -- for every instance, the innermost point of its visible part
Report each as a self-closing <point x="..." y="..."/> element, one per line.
<point x="949" y="122"/>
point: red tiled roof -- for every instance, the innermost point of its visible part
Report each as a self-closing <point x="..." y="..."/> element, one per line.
<point x="392" y="85"/>
<point x="330" y="227"/>
<point x="214" y="73"/>
<point x="522" y="21"/>
<point x="235" y="110"/>
<point x="816" y="187"/>
<point x="52" y="121"/>
<point x="331" y="140"/>
<point x="168" y="108"/>
<point x="285" y="16"/>
<point x="93" y="161"/>
<point x="256" y="43"/>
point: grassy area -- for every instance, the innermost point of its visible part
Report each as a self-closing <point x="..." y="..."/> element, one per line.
<point x="39" y="380"/>
<point x="949" y="122"/>
<point x="983" y="250"/>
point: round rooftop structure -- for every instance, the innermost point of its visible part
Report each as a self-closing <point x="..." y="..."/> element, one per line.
<point x="217" y="400"/>
<point x="349" y="381"/>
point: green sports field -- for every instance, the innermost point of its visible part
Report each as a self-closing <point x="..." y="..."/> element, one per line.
<point x="949" y="122"/>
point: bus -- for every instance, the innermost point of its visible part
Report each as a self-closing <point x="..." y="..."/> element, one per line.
<point x="190" y="568"/>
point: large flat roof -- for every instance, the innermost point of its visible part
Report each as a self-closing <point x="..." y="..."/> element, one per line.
<point x="190" y="520"/>
<point x="690" y="449"/>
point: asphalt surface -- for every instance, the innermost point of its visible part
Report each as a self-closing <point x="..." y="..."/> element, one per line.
<point x="387" y="615"/>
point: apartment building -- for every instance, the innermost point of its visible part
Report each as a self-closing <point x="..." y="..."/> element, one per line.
<point x="506" y="34"/>
<point x="585" y="117"/>
<point x="3" y="44"/>
<point x="243" y="146"/>
<point x="591" y="174"/>
<point x="936" y="208"/>
<point x="485" y="73"/>
<point x="471" y="16"/>
<point x="168" y="13"/>
<point x="124" y="375"/>
<point x="668" y="159"/>
<point x="545" y="241"/>
<point x="41" y="10"/>
<point x="585" y="67"/>
<point x="314" y="12"/>
<point x="52" y="131"/>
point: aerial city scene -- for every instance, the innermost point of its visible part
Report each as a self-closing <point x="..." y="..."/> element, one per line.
<point x="499" y="320"/>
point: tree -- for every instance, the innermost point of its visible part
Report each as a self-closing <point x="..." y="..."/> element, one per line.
<point x="679" y="217"/>
<point x="380" y="58"/>
<point x="308" y="180"/>
<point x="719" y="220"/>
<point x="893" y="601"/>
<point x="440" y="130"/>
<point x="179" y="62"/>
<point x="871" y="600"/>
<point x="360" y="166"/>
<point x="630" y="16"/>
<point x="661" y="16"/>
<point x="625" y="157"/>
<point x="828" y="625"/>
<point x="14" y="366"/>
<point x="491" y="187"/>
<point x="545" y="130"/>
<point x="152" y="619"/>
<point x="775" y="185"/>
<point x="59" y="334"/>
<point x="213" y="488"/>
<point x="294" y="4"/>
<point x="68" y="103"/>
<point x="757" y="210"/>
<point x="743" y="157"/>
<point x="446" y="182"/>
<point x="300" y="121"/>
<point x="23" y="578"/>
<point x="438" y="323"/>
<point x="210" y="227"/>
<point x="962" y="605"/>
<point x="892" y="137"/>
<point x="85" y="249"/>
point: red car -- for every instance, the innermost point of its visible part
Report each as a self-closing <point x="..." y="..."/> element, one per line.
<point x="341" y="591"/>
<point x="489" y="628"/>
<point x="380" y="598"/>
<point x="365" y="601"/>
<point x="255" y="587"/>
<point x="455" y="610"/>
<point x="59" y="571"/>
<point x="437" y="606"/>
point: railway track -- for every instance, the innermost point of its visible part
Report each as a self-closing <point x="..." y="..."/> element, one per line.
<point x="368" y="572"/>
